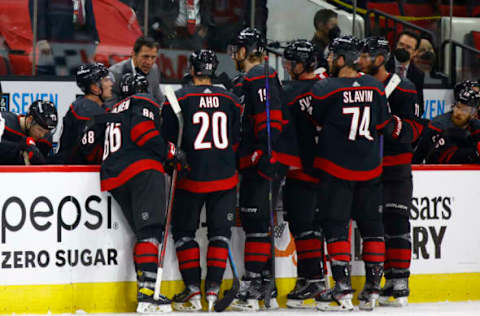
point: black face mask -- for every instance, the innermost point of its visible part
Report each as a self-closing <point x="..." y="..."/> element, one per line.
<point x="427" y="56"/>
<point x="401" y="54"/>
<point x="334" y="33"/>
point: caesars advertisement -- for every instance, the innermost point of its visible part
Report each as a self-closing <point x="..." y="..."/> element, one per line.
<point x="58" y="228"/>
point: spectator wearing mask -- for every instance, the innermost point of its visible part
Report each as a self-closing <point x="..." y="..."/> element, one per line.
<point x="326" y="29"/>
<point x="402" y="63"/>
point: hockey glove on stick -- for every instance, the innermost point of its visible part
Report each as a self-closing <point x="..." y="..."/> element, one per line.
<point x="266" y="165"/>
<point x="28" y="146"/>
<point x="176" y="158"/>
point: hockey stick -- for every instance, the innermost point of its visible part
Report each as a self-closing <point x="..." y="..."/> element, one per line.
<point x="230" y="294"/>
<point x="271" y="284"/>
<point x="178" y="113"/>
<point x="26" y="160"/>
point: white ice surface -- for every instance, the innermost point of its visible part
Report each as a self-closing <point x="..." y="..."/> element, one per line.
<point x="471" y="308"/>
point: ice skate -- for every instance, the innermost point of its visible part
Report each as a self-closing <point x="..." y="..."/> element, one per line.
<point x="189" y="300"/>
<point x="211" y="295"/>
<point x="267" y="278"/>
<point x="368" y="298"/>
<point x="337" y="299"/>
<point x="147" y="305"/>
<point x="248" y="295"/>
<point x="304" y="293"/>
<point x="371" y="291"/>
<point x="395" y="293"/>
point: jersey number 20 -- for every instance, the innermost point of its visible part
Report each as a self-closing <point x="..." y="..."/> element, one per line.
<point x="218" y="126"/>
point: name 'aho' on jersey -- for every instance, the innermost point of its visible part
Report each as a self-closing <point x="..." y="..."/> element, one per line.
<point x="252" y="92"/>
<point x="299" y="101"/>
<point x="211" y="135"/>
<point x="351" y="111"/>
<point x="133" y="142"/>
<point x="402" y="102"/>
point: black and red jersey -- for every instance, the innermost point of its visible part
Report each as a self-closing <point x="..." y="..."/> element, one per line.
<point x="403" y="103"/>
<point x="71" y="150"/>
<point x="253" y="94"/>
<point x="351" y="112"/>
<point x="133" y="142"/>
<point x="11" y="134"/>
<point x="443" y="143"/>
<point x="299" y="101"/>
<point x="211" y="135"/>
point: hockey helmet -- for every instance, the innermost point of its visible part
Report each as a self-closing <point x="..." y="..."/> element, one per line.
<point x="347" y="46"/>
<point x="44" y="114"/>
<point x="468" y="96"/>
<point x="475" y="85"/>
<point x="375" y="46"/>
<point x="301" y="51"/>
<point x="133" y="83"/>
<point x="252" y="39"/>
<point x="90" y="73"/>
<point x="204" y="62"/>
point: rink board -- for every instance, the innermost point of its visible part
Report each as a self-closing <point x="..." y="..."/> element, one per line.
<point x="65" y="245"/>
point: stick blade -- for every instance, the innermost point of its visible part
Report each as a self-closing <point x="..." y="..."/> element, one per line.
<point x="228" y="297"/>
<point x="268" y="292"/>
<point x="172" y="99"/>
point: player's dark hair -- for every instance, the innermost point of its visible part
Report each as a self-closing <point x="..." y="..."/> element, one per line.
<point x="410" y="34"/>
<point x="322" y="16"/>
<point x="144" y="41"/>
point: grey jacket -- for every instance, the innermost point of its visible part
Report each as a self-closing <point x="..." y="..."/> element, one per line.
<point x="119" y="69"/>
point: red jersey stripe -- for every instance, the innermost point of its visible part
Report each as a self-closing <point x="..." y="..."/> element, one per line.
<point x="208" y="186"/>
<point x="395" y="160"/>
<point x="347" y="174"/>
<point x="129" y="172"/>
<point x="140" y="129"/>
<point x="145" y="138"/>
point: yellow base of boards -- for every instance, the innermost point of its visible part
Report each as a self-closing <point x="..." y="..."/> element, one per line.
<point x="121" y="296"/>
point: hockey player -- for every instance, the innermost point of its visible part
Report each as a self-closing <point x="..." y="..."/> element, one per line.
<point x="352" y="109"/>
<point x="94" y="81"/>
<point x="397" y="173"/>
<point x="256" y="166"/>
<point x="30" y="134"/>
<point x="135" y="156"/>
<point x="211" y="136"/>
<point x="454" y="137"/>
<point x="301" y="187"/>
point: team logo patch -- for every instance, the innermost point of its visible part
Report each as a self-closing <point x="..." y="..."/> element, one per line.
<point x="229" y="216"/>
<point x="145" y="215"/>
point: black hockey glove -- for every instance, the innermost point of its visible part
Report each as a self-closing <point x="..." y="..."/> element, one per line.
<point x="458" y="136"/>
<point x="266" y="165"/>
<point x="29" y="146"/>
<point x="176" y="159"/>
